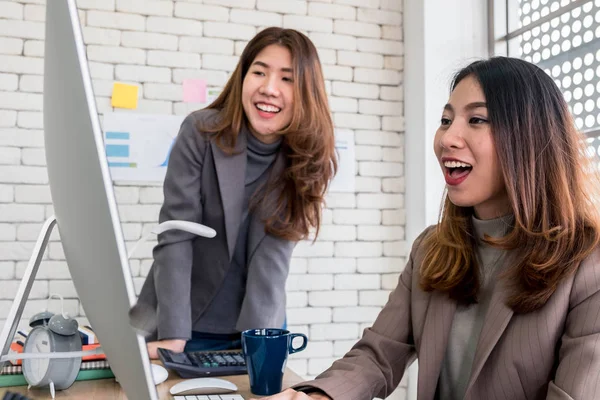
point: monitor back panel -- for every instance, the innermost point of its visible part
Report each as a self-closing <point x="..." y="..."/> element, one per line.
<point x="84" y="202"/>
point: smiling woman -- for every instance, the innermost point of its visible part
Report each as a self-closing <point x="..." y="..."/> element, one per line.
<point x="499" y="300"/>
<point x="285" y="72"/>
<point x="254" y="166"/>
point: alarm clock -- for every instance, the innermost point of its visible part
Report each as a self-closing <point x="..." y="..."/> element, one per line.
<point x="50" y="334"/>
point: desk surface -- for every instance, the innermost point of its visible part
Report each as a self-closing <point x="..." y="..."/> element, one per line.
<point x="103" y="389"/>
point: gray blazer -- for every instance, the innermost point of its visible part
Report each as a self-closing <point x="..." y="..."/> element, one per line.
<point x="552" y="353"/>
<point x="205" y="185"/>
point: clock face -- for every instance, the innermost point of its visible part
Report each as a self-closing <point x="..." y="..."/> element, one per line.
<point x="38" y="341"/>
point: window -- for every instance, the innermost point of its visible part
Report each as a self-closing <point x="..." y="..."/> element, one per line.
<point x="563" y="38"/>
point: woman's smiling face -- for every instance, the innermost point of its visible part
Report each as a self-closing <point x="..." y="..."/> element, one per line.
<point x="268" y="92"/>
<point x="465" y="149"/>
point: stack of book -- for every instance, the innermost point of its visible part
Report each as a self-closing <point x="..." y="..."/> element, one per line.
<point x="88" y="340"/>
<point x="92" y="367"/>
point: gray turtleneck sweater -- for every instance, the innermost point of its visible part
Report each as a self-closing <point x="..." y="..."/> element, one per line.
<point x="468" y="320"/>
<point x="222" y="314"/>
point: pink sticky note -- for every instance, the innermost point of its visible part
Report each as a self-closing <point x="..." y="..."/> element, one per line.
<point x="194" y="90"/>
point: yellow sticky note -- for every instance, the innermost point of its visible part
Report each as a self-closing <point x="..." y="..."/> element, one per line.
<point x="124" y="96"/>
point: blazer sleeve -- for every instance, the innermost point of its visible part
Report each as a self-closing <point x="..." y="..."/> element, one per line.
<point x="376" y="364"/>
<point x="578" y="373"/>
<point x="173" y="253"/>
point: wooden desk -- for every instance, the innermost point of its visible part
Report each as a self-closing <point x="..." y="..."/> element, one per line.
<point x="108" y="389"/>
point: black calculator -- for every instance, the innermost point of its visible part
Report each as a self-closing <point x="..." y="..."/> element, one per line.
<point x="204" y="363"/>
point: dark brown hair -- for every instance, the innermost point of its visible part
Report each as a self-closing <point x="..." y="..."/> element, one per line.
<point x="550" y="183"/>
<point x="308" y="144"/>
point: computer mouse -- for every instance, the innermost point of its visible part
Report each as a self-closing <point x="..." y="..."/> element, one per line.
<point x="159" y="373"/>
<point x="203" y="386"/>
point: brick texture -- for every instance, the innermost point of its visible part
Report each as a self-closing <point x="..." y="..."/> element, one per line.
<point x="339" y="282"/>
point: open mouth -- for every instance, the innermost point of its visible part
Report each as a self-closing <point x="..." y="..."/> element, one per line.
<point x="456" y="171"/>
<point x="268" y="108"/>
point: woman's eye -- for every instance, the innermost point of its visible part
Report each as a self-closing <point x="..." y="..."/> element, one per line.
<point x="286" y="79"/>
<point x="445" y="121"/>
<point x="477" y="120"/>
<point x="259" y="73"/>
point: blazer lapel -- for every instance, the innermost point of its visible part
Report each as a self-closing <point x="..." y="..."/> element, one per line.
<point x="496" y="321"/>
<point x="440" y="314"/>
<point x="231" y="172"/>
<point x="257" y="226"/>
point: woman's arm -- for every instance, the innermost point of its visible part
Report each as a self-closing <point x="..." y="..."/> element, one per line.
<point x="578" y="372"/>
<point x="376" y="364"/>
<point x="291" y="394"/>
<point x="173" y="254"/>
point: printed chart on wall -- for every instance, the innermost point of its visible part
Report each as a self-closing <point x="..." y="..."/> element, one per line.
<point x="138" y="145"/>
<point x="344" y="180"/>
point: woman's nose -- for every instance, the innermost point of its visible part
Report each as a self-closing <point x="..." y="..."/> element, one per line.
<point x="269" y="87"/>
<point x="452" y="138"/>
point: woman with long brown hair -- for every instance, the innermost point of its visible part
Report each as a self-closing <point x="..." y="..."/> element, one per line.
<point x="501" y="299"/>
<point x="254" y="165"/>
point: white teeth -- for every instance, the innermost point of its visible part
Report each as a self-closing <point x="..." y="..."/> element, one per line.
<point x="267" y="108"/>
<point x="456" y="164"/>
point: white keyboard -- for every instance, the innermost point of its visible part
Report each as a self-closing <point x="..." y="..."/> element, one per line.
<point x="210" y="397"/>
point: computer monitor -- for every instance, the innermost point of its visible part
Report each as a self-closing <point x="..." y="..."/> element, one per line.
<point x="84" y="201"/>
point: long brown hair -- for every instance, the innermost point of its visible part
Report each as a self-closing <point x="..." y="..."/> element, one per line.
<point x="308" y="144"/>
<point x="551" y="187"/>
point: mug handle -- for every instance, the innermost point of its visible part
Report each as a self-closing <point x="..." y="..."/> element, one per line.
<point x="291" y="348"/>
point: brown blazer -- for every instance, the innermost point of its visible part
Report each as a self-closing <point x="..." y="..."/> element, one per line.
<point x="552" y="353"/>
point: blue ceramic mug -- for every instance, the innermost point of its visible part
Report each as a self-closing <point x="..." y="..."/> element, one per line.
<point x="266" y="352"/>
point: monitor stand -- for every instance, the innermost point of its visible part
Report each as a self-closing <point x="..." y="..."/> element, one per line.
<point x="16" y="310"/>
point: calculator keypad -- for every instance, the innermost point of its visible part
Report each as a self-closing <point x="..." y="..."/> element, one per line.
<point x="210" y="397"/>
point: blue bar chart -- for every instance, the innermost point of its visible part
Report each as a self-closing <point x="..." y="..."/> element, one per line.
<point x="138" y="146"/>
<point x="117" y="149"/>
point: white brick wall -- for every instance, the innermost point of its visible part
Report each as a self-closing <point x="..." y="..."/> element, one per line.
<point x="337" y="284"/>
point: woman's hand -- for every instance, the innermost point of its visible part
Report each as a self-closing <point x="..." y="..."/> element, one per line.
<point x="291" y="394"/>
<point x="175" y="345"/>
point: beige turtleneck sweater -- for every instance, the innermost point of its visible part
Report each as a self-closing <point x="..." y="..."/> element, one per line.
<point x="468" y="320"/>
